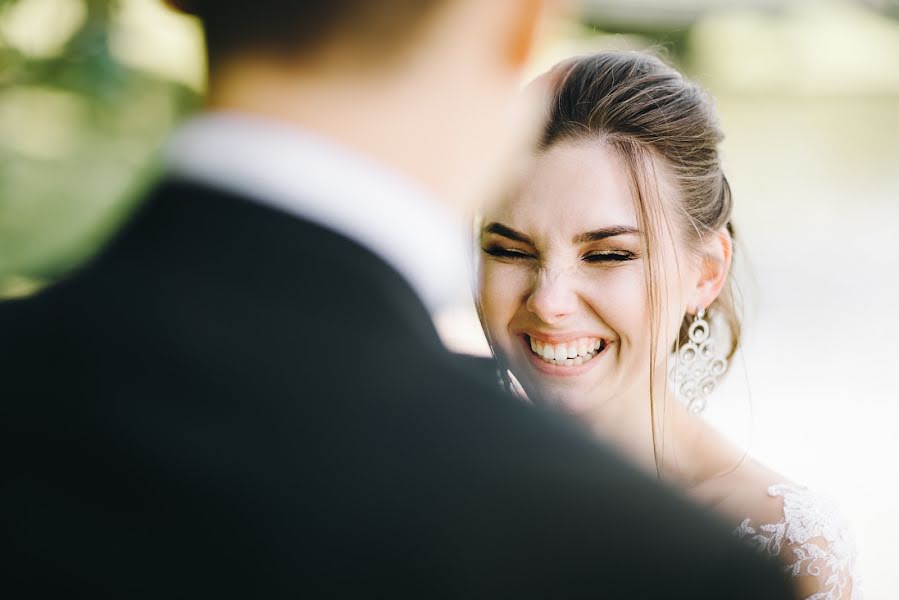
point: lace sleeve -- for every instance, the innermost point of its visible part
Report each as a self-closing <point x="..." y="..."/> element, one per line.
<point x="813" y="541"/>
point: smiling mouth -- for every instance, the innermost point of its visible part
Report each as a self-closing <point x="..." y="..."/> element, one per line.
<point x="572" y="353"/>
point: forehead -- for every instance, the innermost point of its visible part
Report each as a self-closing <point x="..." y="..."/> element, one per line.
<point x="571" y="188"/>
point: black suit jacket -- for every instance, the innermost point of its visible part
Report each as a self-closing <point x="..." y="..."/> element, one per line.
<point x="232" y="402"/>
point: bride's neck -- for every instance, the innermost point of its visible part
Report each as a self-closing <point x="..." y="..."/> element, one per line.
<point x="656" y="433"/>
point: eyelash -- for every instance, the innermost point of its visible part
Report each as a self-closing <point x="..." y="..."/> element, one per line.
<point x="597" y="257"/>
<point x="500" y="252"/>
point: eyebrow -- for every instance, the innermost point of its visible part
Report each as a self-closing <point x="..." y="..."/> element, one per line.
<point x="508" y="232"/>
<point x="582" y="238"/>
<point x="605" y="232"/>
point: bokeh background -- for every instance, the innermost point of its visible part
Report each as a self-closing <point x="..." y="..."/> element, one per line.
<point x="808" y="93"/>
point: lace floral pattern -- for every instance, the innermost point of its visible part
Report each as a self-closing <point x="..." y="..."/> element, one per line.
<point x="818" y="541"/>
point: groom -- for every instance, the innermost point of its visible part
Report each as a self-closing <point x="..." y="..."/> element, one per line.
<point x="244" y="395"/>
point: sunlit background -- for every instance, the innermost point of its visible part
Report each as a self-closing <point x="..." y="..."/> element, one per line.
<point x="808" y="93"/>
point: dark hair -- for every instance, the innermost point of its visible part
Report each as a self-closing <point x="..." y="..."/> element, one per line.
<point x="663" y="127"/>
<point x="288" y="29"/>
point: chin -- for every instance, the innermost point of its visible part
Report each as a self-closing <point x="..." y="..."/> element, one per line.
<point x="565" y="396"/>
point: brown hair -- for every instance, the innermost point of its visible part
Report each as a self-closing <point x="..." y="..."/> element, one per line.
<point x="289" y="29"/>
<point x="652" y="117"/>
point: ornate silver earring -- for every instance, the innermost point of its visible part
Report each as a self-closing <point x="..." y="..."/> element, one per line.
<point x="698" y="366"/>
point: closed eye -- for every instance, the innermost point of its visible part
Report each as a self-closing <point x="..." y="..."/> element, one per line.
<point x="501" y="252"/>
<point x="610" y="256"/>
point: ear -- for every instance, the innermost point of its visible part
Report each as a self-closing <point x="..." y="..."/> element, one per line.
<point x="717" y="255"/>
<point x="527" y="18"/>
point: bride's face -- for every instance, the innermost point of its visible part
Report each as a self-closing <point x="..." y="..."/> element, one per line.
<point x="563" y="288"/>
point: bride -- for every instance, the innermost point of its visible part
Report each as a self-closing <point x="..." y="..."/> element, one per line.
<point x="604" y="286"/>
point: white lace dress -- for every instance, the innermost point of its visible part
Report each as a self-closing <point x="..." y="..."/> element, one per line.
<point x="813" y="541"/>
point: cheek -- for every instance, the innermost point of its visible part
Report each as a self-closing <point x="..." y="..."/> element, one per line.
<point x="502" y="291"/>
<point x="623" y="301"/>
<point x="619" y="298"/>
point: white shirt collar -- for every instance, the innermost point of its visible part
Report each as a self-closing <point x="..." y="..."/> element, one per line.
<point x="314" y="178"/>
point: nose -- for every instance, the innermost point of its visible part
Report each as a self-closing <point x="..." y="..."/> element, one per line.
<point x="553" y="297"/>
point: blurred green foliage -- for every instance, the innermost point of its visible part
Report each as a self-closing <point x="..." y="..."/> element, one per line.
<point x="78" y="132"/>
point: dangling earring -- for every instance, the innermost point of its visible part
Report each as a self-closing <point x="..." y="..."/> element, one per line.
<point x="698" y="366"/>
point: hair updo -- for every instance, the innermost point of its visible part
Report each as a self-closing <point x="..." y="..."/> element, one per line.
<point x="651" y="116"/>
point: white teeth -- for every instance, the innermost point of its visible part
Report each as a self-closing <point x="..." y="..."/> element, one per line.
<point x="572" y="353"/>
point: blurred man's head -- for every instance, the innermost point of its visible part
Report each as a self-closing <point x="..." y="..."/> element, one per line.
<point x="289" y="30"/>
<point x="428" y="86"/>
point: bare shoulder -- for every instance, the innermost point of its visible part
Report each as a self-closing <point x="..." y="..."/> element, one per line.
<point x="745" y="492"/>
<point x="786" y="520"/>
